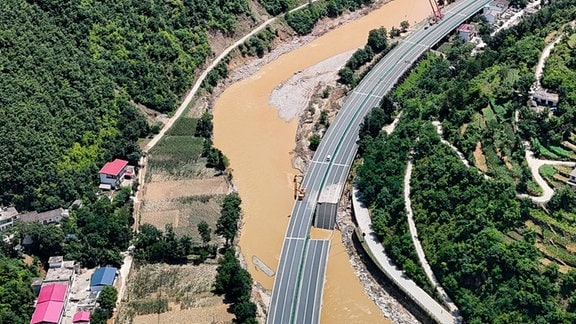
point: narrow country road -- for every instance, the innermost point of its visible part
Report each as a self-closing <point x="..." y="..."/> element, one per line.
<point x="418" y="247"/>
<point x="373" y="244"/>
<point x="440" y="132"/>
<point x="535" y="165"/>
<point x="545" y="53"/>
<point x="194" y="90"/>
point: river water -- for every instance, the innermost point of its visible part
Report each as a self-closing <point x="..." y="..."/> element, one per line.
<point x="258" y="144"/>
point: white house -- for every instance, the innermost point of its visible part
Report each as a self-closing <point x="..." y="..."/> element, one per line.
<point x="112" y="173"/>
<point x="53" y="216"/>
<point x="7" y="217"/>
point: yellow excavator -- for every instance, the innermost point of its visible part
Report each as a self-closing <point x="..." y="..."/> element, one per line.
<point x="299" y="192"/>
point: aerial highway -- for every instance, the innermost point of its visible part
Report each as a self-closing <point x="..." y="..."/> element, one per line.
<point x="292" y="299"/>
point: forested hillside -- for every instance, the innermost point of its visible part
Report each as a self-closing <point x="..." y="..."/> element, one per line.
<point x="69" y="72"/>
<point x="479" y="237"/>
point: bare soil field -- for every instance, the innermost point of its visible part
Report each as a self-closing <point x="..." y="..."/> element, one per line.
<point x="206" y="314"/>
<point x="183" y="212"/>
<point x="181" y="188"/>
<point x="171" y="290"/>
<point x="480" y="159"/>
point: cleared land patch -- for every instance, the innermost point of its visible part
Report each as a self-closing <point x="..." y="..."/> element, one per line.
<point x="181" y="188"/>
<point x="181" y="293"/>
<point x="479" y="158"/>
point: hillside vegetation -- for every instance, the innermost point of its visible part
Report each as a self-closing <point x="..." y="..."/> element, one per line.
<point x="70" y="70"/>
<point x="499" y="258"/>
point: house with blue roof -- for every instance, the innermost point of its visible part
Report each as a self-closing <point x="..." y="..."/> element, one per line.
<point x="102" y="277"/>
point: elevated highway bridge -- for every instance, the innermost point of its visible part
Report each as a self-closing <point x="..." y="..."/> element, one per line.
<point x="298" y="286"/>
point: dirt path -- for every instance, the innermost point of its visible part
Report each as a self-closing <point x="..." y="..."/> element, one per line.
<point x="418" y="246"/>
<point x="545" y="53"/>
<point x="535" y="165"/>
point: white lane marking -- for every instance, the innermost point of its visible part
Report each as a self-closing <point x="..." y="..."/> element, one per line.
<point x="414" y="43"/>
<point x="368" y="95"/>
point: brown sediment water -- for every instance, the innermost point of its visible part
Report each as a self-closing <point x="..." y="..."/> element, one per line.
<point x="258" y="144"/>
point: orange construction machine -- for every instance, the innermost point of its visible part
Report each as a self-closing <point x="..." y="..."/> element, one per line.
<point x="299" y="192"/>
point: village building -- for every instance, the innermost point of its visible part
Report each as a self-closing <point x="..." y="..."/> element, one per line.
<point x="60" y="271"/>
<point x="7" y="217"/>
<point x="102" y="277"/>
<point x="466" y="32"/>
<point x="53" y="216"/>
<point x="50" y="304"/>
<point x="81" y="317"/>
<point x="493" y="10"/>
<point x="112" y="174"/>
<point x="544" y="98"/>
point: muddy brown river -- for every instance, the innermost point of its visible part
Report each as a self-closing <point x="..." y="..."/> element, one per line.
<point x="259" y="143"/>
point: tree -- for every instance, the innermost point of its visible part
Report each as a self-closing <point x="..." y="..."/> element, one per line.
<point x="245" y="311"/>
<point x="204" y="127"/>
<point x="314" y="141"/>
<point x="346" y="76"/>
<point x="227" y="225"/>
<point x="236" y="283"/>
<point x="228" y="264"/>
<point x="47" y="240"/>
<point x="204" y="230"/>
<point x="404" y="25"/>
<point x="216" y="159"/>
<point x="378" y="39"/>
<point x="16" y="296"/>
<point x="394" y="32"/>
<point x="99" y="316"/>
<point x="107" y="299"/>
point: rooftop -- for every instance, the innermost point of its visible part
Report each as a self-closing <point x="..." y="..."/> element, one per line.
<point x="81" y="317"/>
<point x="8" y="212"/>
<point x="56" y="259"/>
<point x="59" y="275"/>
<point x="545" y="95"/>
<point x="467" y="28"/>
<point x="43" y="216"/>
<point x="114" y="168"/>
<point x="500" y="3"/>
<point x="103" y="276"/>
<point x="47" y="312"/>
<point x="53" y="292"/>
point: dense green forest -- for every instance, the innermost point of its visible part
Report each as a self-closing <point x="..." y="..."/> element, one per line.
<point x="479" y="238"/>
<point x="71" y="70"/>
<point x="302" y="21"/>
<point x="16" y="297"/>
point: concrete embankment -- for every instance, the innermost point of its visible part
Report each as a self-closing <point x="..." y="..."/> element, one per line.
<point x="375" y="249"/>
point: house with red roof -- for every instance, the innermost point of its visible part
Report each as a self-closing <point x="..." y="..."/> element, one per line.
<point x="112" y="173"/>
<point x="466" y="32"/>
<point x="50" y="304"/>
<point x="81" y="317"/>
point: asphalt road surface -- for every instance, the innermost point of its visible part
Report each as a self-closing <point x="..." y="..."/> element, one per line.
<point x="339" y="143"/>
